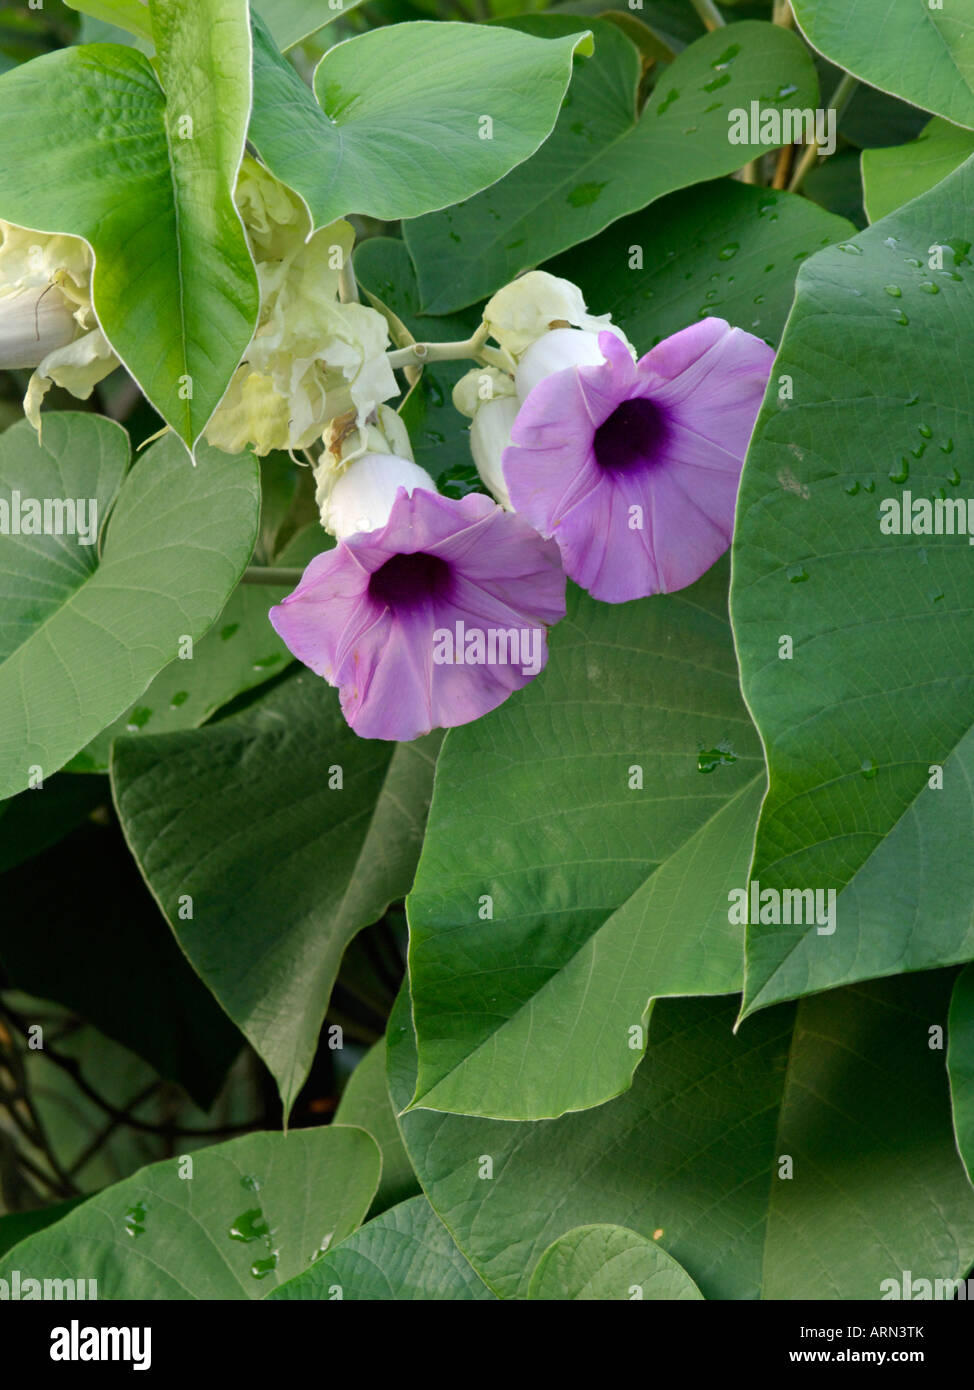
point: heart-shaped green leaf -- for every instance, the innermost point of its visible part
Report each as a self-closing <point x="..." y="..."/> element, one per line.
<point x="403" y="1255"/>
<point x="605" y="159"/>
<point x="400" y="126"/>
<point x="75" y="648"/>
<point x="922" y="51"/>
<point x="853" y="640"/>
<point x="232" y="1221"/>
<point x="285" y="833"/>
<point x="94" y="147"/>
<point x="609" y="1262"/>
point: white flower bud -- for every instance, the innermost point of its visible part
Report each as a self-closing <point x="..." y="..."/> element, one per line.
<point x="360" y="498"/>
<point x="34" y="322"/>
<point x="490" y="435"/>
<point x="561" y="348"/>
<point x="537" y="303"/>
<point x="479" y="385"/>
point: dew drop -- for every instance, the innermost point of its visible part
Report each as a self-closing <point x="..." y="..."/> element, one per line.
<point x="852" y="489"/>
<point x="903" y="473"/>
<point x="250" y="1225"/>
<point x="709" y="759"/>
<point x="953" y="477"/>
<point x="261" y="1268"/>
<point x="948" y="447"/>
<point x="180" y="698"/>
<point x="929" y="287"/>
<point x="868" y="768"/>
<point x="797" y="574"/>
<point x="728" y="252"/>
<point x="893" y="291"/>
<point x="135" y="1220"/>
<point x="850" y="249"/>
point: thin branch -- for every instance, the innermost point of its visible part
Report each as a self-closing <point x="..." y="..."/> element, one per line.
<point x="416" y="354"/>
<point x="709" y="13"/>
<point x="268" y="574"/>
<point x="841" y="97"/>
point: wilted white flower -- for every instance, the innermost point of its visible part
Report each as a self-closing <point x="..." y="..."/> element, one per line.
<point x="312" y="358"/>
<point x="46" y="316"/>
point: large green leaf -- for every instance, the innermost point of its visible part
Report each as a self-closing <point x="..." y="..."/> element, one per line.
<point x="366" y="1103"/>
<point x="93" y="147"/>
<point x="891" y="177"/>
<point x="253" y="1213"/>
<point x="80" y="638"/>
<point x="405" y="1254"/>
<point x="608" y="1262"/>
<point x="723" y="248"/>
<point x="290" y="21"/>
<point x="603" y="160"/>
<point x="960" y="1064"/>
<point x="878" y="695"/>
<point x="581" y="846"/>
<point x="240" y="651"/>
<point x="692" y="1156"/>
<point x="919" y="51"/>
<point x="130" y="15"/>
<point x="288" y="833"/>
<point x="398" y="125"/>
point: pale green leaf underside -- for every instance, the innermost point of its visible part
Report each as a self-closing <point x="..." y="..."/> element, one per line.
<point x="290" y="21"/>
<point x="919" y="51"/>
<point x="75" y="650"/>
<point x="398" y="125"/>
<point x="892" y="177"/>
<point x="93" y="148"/>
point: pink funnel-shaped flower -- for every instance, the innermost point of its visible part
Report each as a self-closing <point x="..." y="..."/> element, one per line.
<point x="633" y="468"/>
<point x="430" y="621"/>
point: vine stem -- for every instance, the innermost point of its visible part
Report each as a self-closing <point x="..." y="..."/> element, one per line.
<point x="416" y="354"/>
<point x="267" y="574"/>
<point x="840" y="100"/>
<point x="347" y="287"/>
<point x="709" y="13"/>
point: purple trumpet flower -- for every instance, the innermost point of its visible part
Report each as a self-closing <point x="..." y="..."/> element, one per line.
<point x="633" y="467"/>
<point x="430" y="621"/>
